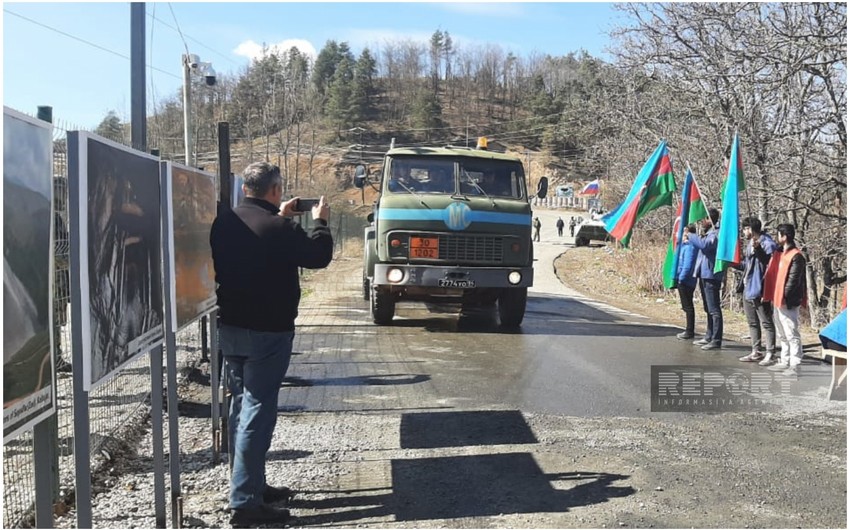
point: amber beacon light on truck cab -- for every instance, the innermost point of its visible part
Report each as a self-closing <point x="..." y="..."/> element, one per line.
<point x="450" y="225"/>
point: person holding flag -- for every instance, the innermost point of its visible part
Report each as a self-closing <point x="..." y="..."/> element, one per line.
<point x="681" y="257"/>
<point x="709" y="280"/>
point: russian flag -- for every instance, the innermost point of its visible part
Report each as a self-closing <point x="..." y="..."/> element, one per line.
<point x="592" y="188"/>
<point x="653" y="188"/>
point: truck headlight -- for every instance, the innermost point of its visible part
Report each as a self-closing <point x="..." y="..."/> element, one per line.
<point x="514" y="277"/>
<point x="395" y="275"/>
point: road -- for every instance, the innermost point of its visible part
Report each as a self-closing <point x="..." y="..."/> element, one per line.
<point x="450" y="421"/>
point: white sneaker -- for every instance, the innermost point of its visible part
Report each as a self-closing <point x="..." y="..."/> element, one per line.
<point x="778" y="367"/>
<point x="790" y="372"/>
<point x="767" y="361"/>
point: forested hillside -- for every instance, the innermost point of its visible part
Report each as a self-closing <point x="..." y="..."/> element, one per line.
<point x="693" y="73"/>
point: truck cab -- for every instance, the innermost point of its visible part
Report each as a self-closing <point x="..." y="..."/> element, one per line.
<point x="451" y="225"/>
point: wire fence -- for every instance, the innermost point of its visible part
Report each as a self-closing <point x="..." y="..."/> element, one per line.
<point x="118" y="407"/>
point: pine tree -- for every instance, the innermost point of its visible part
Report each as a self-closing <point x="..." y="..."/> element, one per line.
<point x="111" y="127"/>
<point x="363" y="86"/>
<point x="339" y="109"/>
<point x="427" y="112"/>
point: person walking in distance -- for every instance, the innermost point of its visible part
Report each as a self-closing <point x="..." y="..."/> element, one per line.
<point x="709" y="281"/>
<point x="785" y="284"/>
<point x="686" y="284"/>
<point x="257" y="250"/>
<point x="757" y="252"/>
<point x="572" y="226"/>
<point x="536" y="224"/>
<point x="560" y="226"/>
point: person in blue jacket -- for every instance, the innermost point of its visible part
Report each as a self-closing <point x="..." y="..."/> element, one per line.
<point x="709" y="281"/>
<point x="686" y="283"/>
<point x="757" y="252"/>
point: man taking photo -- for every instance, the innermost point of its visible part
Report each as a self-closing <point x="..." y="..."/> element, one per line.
<point x="257" y="250"/>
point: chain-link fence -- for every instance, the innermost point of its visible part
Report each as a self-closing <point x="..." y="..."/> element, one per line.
<point x="115" y="407"/>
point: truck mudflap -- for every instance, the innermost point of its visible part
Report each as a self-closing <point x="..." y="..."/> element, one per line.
<point x="451" y="277"/>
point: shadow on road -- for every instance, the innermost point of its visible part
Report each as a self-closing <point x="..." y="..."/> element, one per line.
<point x="465" y="428"/>
<point x="466" y="486"/>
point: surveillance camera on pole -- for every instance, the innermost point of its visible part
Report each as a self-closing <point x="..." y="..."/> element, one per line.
<point x="192" y="64"/>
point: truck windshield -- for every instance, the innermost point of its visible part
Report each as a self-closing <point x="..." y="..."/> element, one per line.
<point x="422" y="175"/>
<point x="496" y="179"/>
<point x="492" y="178"/>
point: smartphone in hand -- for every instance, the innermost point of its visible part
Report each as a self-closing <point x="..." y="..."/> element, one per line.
<point x="305" y="205"/>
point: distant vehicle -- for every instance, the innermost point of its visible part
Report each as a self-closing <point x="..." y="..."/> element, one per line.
<point x="593" y="230"/>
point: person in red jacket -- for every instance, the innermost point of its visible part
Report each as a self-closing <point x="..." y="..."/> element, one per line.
<point x="785" y="285"/>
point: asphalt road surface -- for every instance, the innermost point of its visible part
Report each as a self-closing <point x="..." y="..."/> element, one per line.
<point x="446" y="420"/>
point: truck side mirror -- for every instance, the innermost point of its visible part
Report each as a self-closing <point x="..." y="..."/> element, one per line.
<point x="542" y="187"/>
<point x="360" y="175"/>
<point x="370" y="217"/>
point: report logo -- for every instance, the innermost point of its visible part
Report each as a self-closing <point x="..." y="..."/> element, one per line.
<point x="680" y="388"/>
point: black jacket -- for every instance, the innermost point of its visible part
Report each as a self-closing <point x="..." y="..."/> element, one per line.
<point x="795" y="284"/>
<point x="256" y="254"/>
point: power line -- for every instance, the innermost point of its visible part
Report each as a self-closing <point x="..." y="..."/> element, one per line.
<point x="79" y="39"/>
<point x="196" y="41"/>
<point x="178" y="28"/>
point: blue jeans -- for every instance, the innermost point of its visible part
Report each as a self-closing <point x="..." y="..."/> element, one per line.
<point x="710" y="290"/>
<point x="256" y="362"/>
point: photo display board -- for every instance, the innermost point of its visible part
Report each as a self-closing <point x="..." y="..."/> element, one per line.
<point x="191" y="202"/>
<point x="119" y="219"/>
<point x="28" y="392"/>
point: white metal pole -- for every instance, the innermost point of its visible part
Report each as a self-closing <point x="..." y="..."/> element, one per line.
<point x="187" y="112"/>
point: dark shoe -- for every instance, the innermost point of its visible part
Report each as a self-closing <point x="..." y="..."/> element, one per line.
<point x="258" y="515"/>
<point x="701" y="342"/>
<point x="272" y="494"/>
<point x="685" y="335"/>
<point x="711" y="346"/>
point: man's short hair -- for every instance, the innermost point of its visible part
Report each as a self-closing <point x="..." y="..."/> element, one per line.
<point x="753" y="223"/>
<point x="787" y="230"/>
<point x="259" y="178"/>
<point x="714" y="214"/>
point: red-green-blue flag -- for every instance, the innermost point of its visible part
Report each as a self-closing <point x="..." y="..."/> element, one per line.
<point x="691" y="209"/>
<point x="728" y="245"/>
<point x="653" y="188"/>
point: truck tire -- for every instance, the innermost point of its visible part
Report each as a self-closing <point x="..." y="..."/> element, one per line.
<point x="512" y="303"/>
<point x="382" y="305"/>
<point x="582" y="242"/>
<point x="366" y="288"/>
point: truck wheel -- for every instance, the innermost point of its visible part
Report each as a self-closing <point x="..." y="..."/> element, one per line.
<point x="512" y="306"/>
<point x="382" y="305"/>
<point x="582" y="242"/>
<point x="366" y="288"/>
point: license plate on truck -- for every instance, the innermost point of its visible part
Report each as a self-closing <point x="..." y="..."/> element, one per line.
<point x="424" y="247"/>
<point x="457" y="284"/>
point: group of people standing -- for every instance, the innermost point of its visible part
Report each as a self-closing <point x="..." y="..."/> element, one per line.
<point x="559" y="224"/>
<point x="773" y="285"/>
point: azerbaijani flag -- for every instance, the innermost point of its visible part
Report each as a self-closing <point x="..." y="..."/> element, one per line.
<point x="691" y="209"/>
<point x="653" y="188"/>
<point x="728" y="246"/>
<point x="592" y="188"/>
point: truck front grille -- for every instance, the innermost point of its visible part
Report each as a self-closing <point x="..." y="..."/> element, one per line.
<point x="471" y="249"/>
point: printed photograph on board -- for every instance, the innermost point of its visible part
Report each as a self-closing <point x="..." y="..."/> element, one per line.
<point x="193" y="211"/>
<point x="27" y="217"/>
<point x="124" y="243"/>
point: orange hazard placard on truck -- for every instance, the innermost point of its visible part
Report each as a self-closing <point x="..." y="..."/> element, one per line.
<point x="424" y="247"/>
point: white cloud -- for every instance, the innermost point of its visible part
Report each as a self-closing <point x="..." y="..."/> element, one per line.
<point x="359" y="38"/>
<point x="252" y="50"/>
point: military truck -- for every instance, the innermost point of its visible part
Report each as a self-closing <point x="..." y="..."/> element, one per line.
<point x="451" y="225"/>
